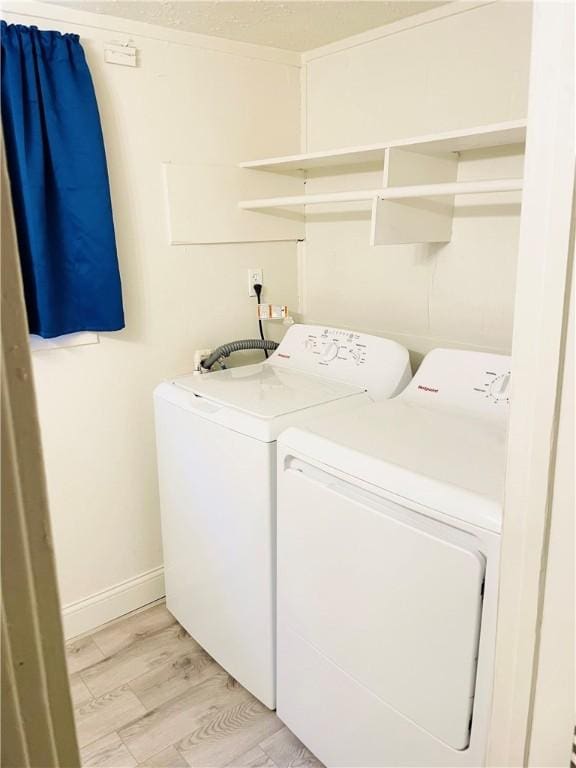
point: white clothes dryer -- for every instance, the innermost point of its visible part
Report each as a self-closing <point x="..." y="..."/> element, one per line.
<point x="216" y="444"/>
<point x="389" y="523"/>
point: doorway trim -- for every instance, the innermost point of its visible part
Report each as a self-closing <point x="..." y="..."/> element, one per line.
<point x="538" y="350"/>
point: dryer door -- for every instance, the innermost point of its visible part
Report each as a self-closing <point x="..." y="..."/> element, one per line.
<point x="391" y="597"/>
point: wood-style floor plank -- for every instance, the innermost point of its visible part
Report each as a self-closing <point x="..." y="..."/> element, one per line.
<point x="114" y="637"/>
<point x="81" y="654"/>
<point x="172" y="721"/>
<point x="141" y="656"/>
<point x="254" y="758"/>
<point x="107" y="752"/>
<point x="173" y="679"/>
<point x="168" y="758"/>
<point x="287" y="751"/>
<point x="80" y="693"/>
<point x="229" y="733"/>
<point x="106" y="714"/>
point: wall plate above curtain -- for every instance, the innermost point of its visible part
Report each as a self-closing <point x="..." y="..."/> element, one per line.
<point x="121" y="53"/>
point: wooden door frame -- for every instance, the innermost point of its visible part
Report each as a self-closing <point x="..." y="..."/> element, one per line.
<point x="538" y="352"/>
<point x="38" y="728"/>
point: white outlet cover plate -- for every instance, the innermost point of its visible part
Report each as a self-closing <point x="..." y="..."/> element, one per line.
<point x="254" y="277"/>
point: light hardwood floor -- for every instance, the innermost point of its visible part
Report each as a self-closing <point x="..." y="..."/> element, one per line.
<point x="146" y="694"/>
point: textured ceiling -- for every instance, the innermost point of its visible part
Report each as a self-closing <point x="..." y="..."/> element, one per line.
<point x="296" y="25"/>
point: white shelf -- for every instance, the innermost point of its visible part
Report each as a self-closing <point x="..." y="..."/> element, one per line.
<point x="334" y="158"/>
<point x="496" y="134"/>
<point x="297" y="200"/>
<point x="389" y="193"/>
<point x="481" y="137"/>
<point x="421" y="168"/>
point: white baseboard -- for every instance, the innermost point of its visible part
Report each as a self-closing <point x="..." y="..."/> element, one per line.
<point x="91" y="612"/>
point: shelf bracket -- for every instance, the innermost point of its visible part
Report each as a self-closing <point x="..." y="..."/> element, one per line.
<point x="414" y="220"/>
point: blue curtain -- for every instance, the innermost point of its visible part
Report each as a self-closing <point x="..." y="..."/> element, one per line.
<point x="59" y="182"/>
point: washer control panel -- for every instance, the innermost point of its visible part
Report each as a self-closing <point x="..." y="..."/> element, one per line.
<point x="335" y="346"/>
<point x="476" y="382"/>
<point x="378" y="365"/>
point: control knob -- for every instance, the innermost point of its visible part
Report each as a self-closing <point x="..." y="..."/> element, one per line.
<point x="329" y="351"/>
<point x="498" y="389"/>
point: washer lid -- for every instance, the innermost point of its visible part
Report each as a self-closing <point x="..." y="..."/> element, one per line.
<point x="451" y="462"/>
<point x="264" y="390"/>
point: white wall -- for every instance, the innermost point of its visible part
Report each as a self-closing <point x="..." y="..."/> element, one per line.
<point x="457" y="71"/>
<point x="190" y="99"/>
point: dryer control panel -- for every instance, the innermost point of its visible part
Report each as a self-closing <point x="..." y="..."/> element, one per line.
<point x="475" y="382"/>
<point x="380" y="366"/>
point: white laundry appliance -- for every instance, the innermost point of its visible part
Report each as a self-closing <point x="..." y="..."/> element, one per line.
<point x="216" y="443"/>
<point x="389" y="524"/>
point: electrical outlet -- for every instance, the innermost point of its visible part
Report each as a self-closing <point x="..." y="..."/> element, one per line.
<point x="254" y="278"/>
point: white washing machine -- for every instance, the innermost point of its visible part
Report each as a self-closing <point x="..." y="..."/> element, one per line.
<point x="216" y="443"/>
<point x="389" y="525"/>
